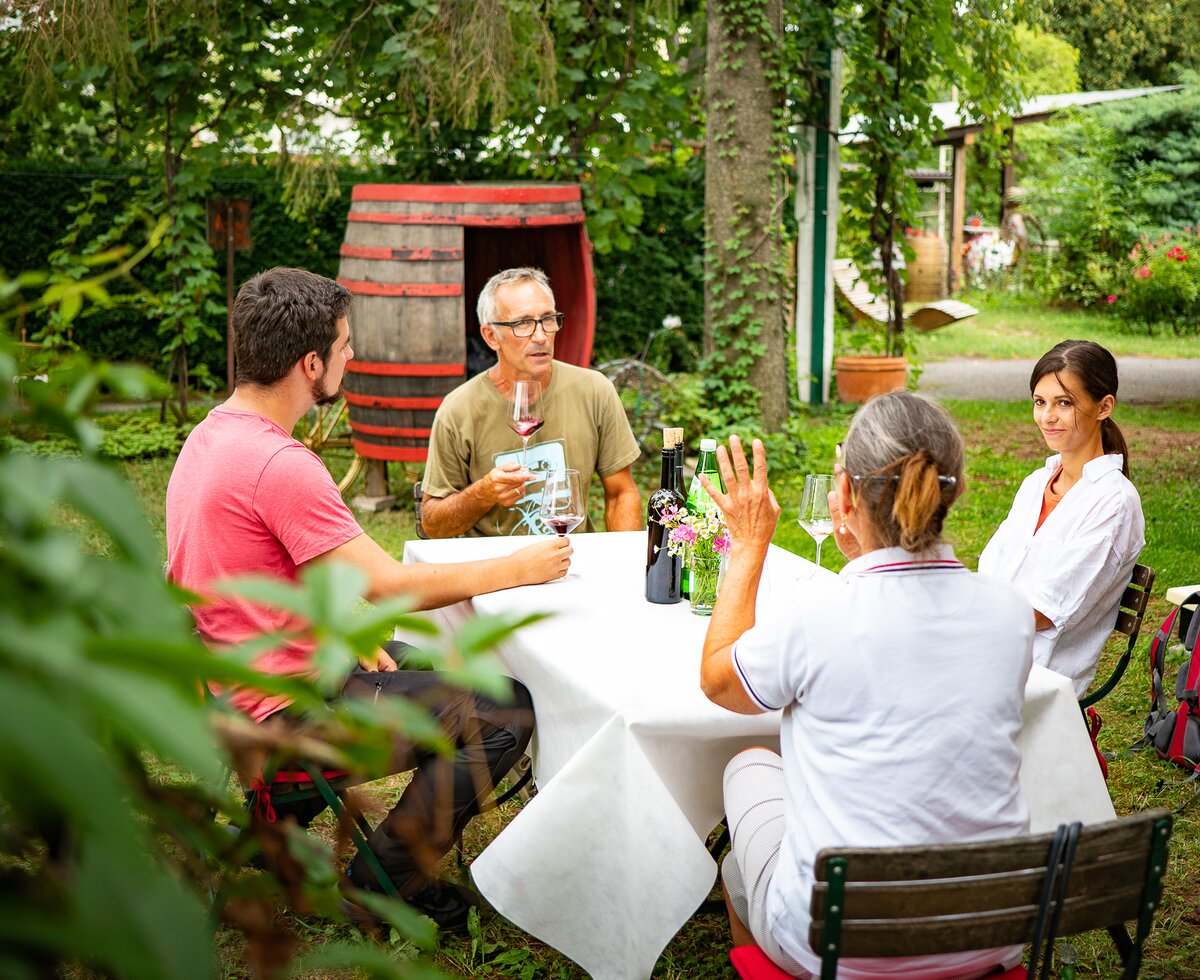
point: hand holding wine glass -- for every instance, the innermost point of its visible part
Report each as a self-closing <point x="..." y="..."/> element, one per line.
<point x="525" y="413"/>
<point x="814" y="508"/>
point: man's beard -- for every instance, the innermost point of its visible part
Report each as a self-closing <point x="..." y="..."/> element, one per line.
<point x="321" y="396"/>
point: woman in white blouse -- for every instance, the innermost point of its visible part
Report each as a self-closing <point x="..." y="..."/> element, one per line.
<point x="1075" y="529"/>
<point x="902" y="682"/>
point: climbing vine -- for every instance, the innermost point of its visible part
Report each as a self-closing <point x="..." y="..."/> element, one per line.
<point x="748" y="161"/>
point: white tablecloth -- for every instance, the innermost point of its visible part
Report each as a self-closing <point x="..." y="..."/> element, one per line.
<point x="608" y="861"/>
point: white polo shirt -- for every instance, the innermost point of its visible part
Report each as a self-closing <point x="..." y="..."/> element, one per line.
<point x="1074" y="569"/>
<point x="902" y="683"/>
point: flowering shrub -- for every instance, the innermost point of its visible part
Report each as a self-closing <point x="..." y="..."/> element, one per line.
<point x="696" y="535"/>
<point x="1160" y="282"/>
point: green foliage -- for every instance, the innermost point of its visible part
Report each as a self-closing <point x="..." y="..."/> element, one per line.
<point x="660" y="275"/>
<point x="1157" y="138"/>
<point x="1086" y="198"/>
<point x="43" y="202"/>
<point x="88" y="705"/>
<point x="1159" y="283"/>
<point x="686" y="403"/>
<point x="1050" y="65"/>
<point x="904" y="55"/>
<point x="1126" y="44"/>
<point x="1101" y="177"/>
<point x="115" y="774"/>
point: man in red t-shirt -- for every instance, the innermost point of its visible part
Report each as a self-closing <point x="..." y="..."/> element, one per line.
<point x="246" y="498"/>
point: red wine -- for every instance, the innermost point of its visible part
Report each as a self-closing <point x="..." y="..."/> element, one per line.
<point x="663" y="570"/>
<point x="563" y="524"/>
<point x="525" y="427"/>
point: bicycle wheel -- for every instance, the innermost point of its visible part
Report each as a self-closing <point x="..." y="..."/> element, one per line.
<point x="326" y="431"/>
<point x="640" y="387"/>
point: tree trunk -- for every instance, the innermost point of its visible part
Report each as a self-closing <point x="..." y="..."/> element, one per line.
<point x="744" y="197"/>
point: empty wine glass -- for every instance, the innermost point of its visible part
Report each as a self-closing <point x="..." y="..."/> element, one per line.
<point x="814" y="508"/>
<point x="525" y="413"/>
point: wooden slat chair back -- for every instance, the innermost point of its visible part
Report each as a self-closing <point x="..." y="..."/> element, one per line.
<point x="909" y="901"/>
<point x="1129" y="623"/>
<point x="865" y="305"/>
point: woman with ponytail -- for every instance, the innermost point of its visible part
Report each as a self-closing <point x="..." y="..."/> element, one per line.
<point x="902" y="682"/>
<point x="1075" y="529"/>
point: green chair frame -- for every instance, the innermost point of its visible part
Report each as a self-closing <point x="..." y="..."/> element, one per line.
<point x="1129" y="623"/>
<point x="309" y="782"/>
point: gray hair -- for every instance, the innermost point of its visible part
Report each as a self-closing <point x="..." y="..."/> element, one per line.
<point x="905" y="460"/>
<point x="486" y="307"/>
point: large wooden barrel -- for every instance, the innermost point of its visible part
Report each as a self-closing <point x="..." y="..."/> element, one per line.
<point x="927" y="272"/>
<point x="416" y="256"/>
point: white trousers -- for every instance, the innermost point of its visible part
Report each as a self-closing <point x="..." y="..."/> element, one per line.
<point x="754" y="814"/>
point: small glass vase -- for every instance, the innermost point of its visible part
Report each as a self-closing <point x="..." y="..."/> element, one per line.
<point x="707" y="572"/>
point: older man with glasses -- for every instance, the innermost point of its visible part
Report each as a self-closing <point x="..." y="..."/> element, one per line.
<point x="475" y="483"/>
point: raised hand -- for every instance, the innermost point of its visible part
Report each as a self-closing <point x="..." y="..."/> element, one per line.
<point x="748" y="506"/>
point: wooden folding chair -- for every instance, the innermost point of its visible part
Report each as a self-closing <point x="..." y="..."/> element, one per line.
<point x="943" y="898"/>
<point x="1129" y="623"/>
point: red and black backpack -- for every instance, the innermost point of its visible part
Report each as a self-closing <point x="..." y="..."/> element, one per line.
<point x="1174" y="731"/>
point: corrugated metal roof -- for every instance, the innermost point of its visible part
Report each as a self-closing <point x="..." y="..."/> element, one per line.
<point x="1037" y="109"/>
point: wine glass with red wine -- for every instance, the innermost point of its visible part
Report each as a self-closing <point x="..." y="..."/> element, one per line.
<point x="525" y="413"/>
<point x="562" y="502"/>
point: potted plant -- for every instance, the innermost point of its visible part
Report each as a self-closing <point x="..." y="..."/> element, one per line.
<point x="870" y="357"/>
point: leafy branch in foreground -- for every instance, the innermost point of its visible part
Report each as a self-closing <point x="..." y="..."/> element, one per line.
<point x="116" y="774"/>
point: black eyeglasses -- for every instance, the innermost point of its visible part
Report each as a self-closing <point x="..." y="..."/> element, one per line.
<point x="551" y="323"/>
<point x="943" y="481"/>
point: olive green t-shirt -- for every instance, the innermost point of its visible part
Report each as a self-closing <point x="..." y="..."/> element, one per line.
<point x="586" y="429"/>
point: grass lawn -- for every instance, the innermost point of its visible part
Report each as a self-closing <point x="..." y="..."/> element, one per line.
<point x="1013" y="325"/>
<point x="1003" y="447"/>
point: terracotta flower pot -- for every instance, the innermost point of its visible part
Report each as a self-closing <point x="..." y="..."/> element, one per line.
<point x="859" y="376"/>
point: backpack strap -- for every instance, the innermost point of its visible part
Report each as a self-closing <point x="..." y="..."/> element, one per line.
<point x="1158" y="654"/>
<point x="1158" y="703"/>
<point x="1175" y="749"/>
<point x="1189" y="623"/>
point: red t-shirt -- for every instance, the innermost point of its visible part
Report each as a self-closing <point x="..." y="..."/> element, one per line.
<point x="245" y="498"/>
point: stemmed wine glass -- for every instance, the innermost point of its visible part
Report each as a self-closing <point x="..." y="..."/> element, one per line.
<point x="525" y="413"/>
<point x="562" y="502"/>
<point x="814" y="508"/>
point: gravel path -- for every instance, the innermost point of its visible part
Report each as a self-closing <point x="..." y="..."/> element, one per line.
<point x="1144" y="380"/>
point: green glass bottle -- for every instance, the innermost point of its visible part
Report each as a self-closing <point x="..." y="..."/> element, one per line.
<point x="698" y="499"/>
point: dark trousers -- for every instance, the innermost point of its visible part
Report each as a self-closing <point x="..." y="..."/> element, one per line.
<point x="446" y="790"/>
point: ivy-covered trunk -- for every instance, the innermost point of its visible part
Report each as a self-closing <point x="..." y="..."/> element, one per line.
<point x="745" y="194"/>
